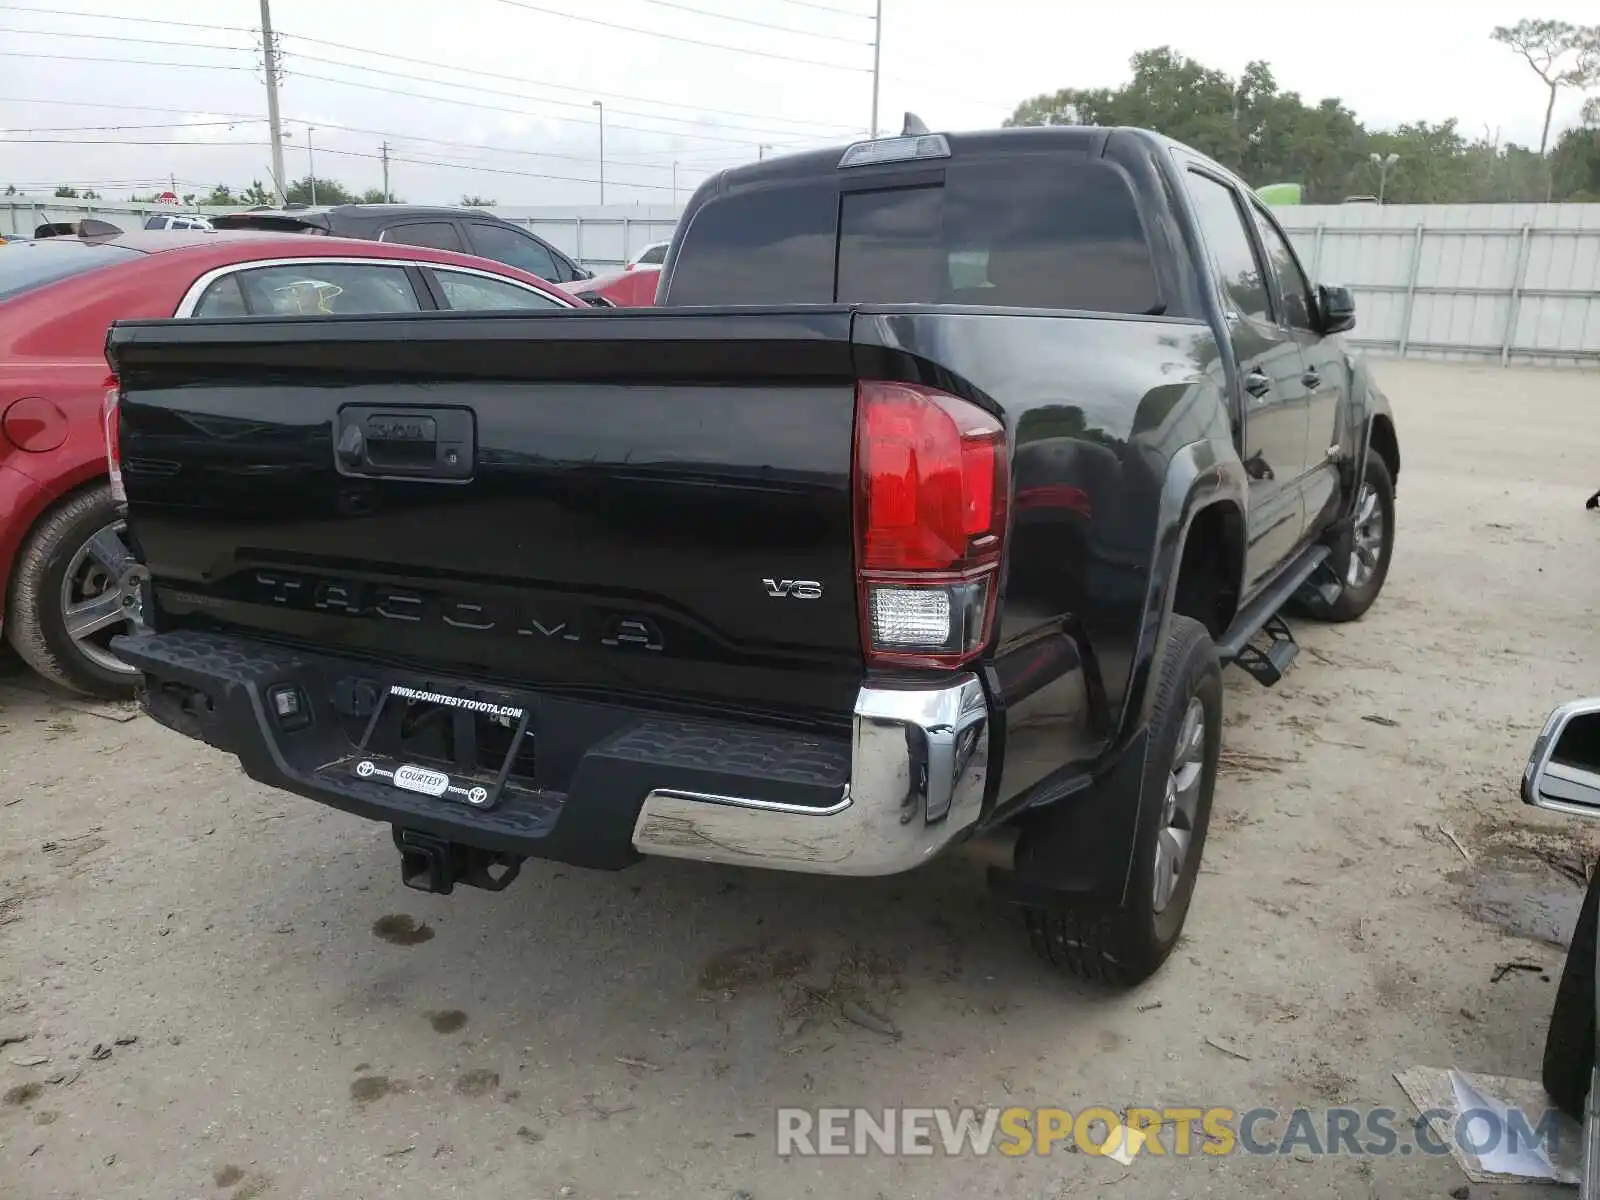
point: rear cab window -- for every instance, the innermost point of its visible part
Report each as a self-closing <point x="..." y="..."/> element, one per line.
<point x="1021" y="230"/>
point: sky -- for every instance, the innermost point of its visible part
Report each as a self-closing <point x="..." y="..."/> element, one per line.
<point x="495" y="98"/>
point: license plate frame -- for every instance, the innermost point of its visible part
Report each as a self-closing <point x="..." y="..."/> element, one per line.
<point x="466" y="786"/>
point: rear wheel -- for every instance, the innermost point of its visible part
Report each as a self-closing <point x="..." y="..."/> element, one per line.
<point x="1569" y="1040"/>
<point x="69" y="599"/>
<point x="1128" y="944"/>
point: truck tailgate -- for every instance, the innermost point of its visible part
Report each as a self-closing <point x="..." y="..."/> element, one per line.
<point x="646" y="503"/>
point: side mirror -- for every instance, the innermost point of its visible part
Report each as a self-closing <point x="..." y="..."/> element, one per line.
<point x="1563" y="772"/>
<point x="1337" y="308"/>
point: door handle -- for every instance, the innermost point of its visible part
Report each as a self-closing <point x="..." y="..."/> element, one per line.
<point x="1311" y="379"/>
<point x="1257" y="383"/>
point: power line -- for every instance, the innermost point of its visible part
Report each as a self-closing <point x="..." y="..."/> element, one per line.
<point x="643" y="164"/>
<point x="145" y="62"/>
<point x="118" y="128"/>
<point x="139" y="62"/>
<point x="519" y="112"/>
<point x="64" y="12"/>
<point x="843" y="12"/>
<point x="831" y="37"/>
<point x="673" y="37"/>
<point x="112" y="37"/>
<point x="588" y="92"/>
<point x="583" y="105"/>
<point x="421" y="162"/>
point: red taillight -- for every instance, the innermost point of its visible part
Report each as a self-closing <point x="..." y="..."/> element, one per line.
<point x="931" y="490"/>
<point x="108" y="420"/>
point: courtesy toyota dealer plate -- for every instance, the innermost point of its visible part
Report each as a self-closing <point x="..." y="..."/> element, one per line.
<point x="424" y="781"/>
<point x="420" y="779"/>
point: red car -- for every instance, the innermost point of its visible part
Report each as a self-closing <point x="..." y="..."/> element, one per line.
<point x="631" y="287"/>
<point x="66" y="575"/>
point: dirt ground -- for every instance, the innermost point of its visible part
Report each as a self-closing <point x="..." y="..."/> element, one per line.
<point x="233" y="995"/>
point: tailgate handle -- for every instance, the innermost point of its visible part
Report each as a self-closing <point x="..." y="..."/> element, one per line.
<point x="410" y="443"/>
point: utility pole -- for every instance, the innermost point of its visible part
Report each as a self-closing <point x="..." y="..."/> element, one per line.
<point x="269" y="52"/>
<point x="877" y="46"/>
<point x="674" y="182"/>
<point x="601" y="106"/>
<point x="387" y="197"/>
<point x="311" y="163"/>
<point x="761" y="150"/>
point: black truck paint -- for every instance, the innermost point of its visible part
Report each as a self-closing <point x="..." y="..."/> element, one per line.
<point x="646" y="487"/>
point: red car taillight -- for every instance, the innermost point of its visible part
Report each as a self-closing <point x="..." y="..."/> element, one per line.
<point x="113" y="442"/>
<point x="932" y="480"/>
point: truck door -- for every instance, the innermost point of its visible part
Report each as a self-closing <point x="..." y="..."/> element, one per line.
<point x="1270" y="368"/>
<point x="1327" y="376"/>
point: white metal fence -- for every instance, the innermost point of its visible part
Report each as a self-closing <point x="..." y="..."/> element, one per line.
<point x="1469" y="282"/>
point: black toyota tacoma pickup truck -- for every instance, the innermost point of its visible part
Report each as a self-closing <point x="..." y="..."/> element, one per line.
<point x="923" y="512"/>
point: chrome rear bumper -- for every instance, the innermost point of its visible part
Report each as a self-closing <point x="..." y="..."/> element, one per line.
<point x="919" y="760"/>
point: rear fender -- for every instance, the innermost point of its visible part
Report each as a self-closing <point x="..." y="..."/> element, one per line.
<point x="1199" y="475"/>
<point x="1367" y="405"/>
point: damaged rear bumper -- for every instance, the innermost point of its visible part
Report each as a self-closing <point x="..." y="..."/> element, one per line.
<point x="600" y="784"/>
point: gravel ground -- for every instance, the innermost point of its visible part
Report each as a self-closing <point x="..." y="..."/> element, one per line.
<point x="235" y="996"/>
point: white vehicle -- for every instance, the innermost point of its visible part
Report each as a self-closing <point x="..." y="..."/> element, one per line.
<point x="652" y="255"/>
<point x="177" y="221"/>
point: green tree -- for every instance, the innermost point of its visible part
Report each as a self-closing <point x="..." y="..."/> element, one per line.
<point x="11" y="189"/>
<point x="477" y="202"/>
<point x="1268" y="135"/>
<point x="219" y="196"/>
<point x="376" y="196"/>
<point x="257" y="195"/>
<point x="1561" y="55"/>
<point x="66" y="193"/>
<point x="329" y="191"/>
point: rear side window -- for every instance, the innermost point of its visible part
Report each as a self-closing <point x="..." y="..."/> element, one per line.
<point x="518" y="249"/>
<point x="25" y="266"/>
<point x="654" y="256"/>
<point x="773" y="246"/>
<point x="438" y="235"/>
<point x="1222" y="225"/>
<point x="474" y="292"/>
<point x="1018" y="232"/>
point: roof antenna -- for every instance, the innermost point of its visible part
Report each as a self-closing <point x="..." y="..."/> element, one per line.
<point x="914" y="126"/>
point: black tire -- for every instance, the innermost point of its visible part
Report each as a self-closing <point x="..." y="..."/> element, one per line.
<point x="1569" y="1040"/>
<point x="36" y="623"/>
<point x="1353" y="602"/>
<point x="1125" y="946"/>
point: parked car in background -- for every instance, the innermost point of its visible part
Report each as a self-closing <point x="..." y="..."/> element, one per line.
<point x="63" y="561"/>
<point x="176" y="221"/>
<point x="634" y="287"/>
<point x="1563" y="775"/>
<point x="464" y="230"/>
<point x="652" y="255"/>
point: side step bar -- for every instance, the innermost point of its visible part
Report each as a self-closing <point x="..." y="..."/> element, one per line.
<point x="1268" y="663"/>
